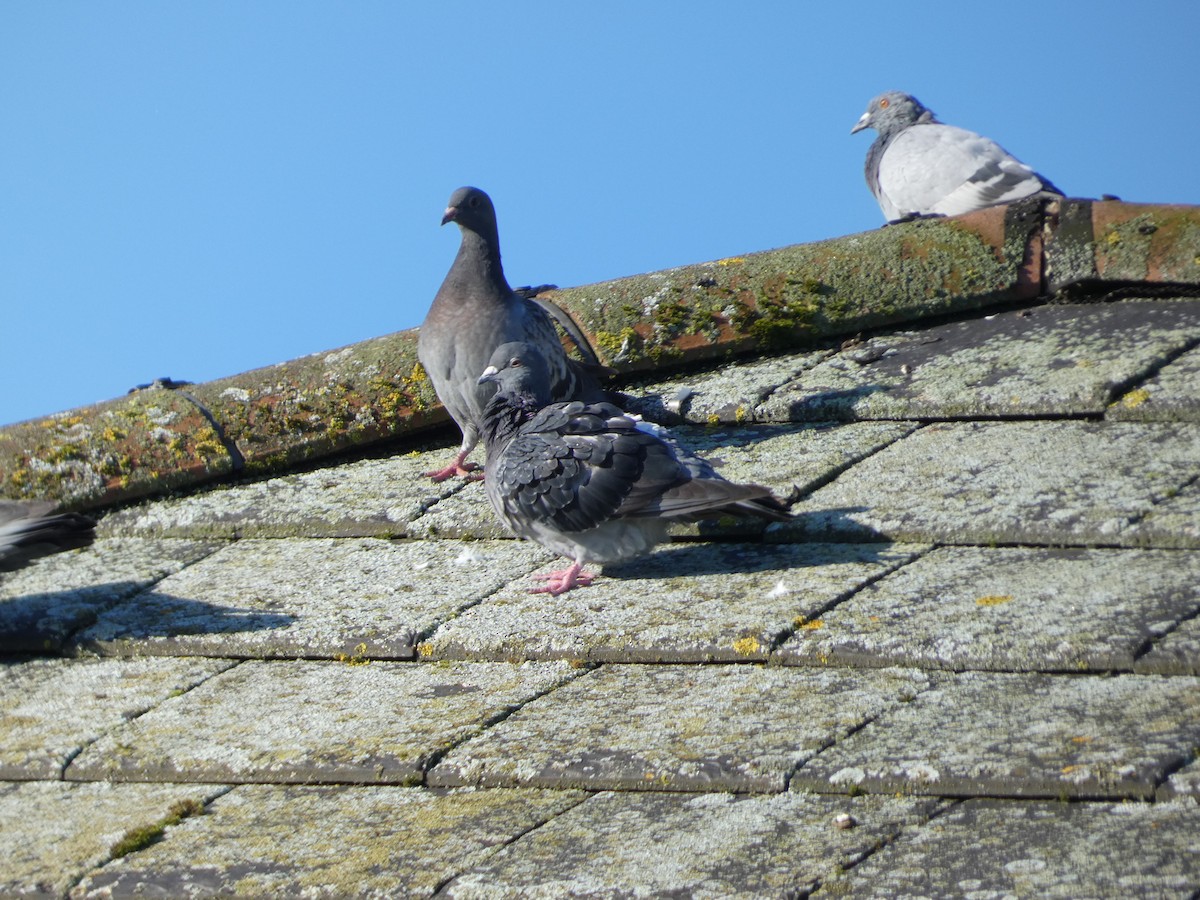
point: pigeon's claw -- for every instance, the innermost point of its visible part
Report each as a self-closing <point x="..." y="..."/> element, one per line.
<point x="563" y="580"/>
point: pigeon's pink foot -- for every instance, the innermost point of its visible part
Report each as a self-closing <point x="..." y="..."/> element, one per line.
<point x="563" y="580"/>
<point x="458" y="467"/>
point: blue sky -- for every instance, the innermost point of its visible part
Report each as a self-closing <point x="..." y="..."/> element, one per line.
<point x="197" y="189"/>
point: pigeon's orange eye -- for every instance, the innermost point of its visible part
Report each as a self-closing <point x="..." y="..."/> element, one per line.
<point x="883" y="104"/>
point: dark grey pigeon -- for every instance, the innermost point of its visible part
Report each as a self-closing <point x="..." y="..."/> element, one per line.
<point x="30" y="530"/>
<point x="920" y="167"/>
<point x="588" y="481"/>
<point x="474" y="312"/>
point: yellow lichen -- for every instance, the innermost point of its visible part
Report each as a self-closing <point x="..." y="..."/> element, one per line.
<point x="813" y="625"/>
<point x="993" y="600"/>
<point x="357" y="658"/>
<point x="1135" y="398"/>
<point x="747" y="645"/>
<point x="731" y="261"/>
<point x="425" y="649"/>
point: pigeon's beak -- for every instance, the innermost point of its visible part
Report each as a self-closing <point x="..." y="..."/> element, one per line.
<point x="450" y="214"/>
<point x="863" y="122"/>
<point x="489" y="374"/>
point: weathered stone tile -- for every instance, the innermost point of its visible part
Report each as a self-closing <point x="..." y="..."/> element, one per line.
<point x="311" y="597"/>
<point x="708" y="845"/>
<point x="728" y="393"/>
<point x="44" y="603"/>
<point x="465" y="515"/>
<point x="1061" y="482"/>
<point x="782" y="458"/>
<point x="1175" y="522"/>
<point x="315" y="721"/>
<point x="292" y="841"/>
<point x="679" y="728"/>
<point x="1008" y="610"/>
<point x="52" y="708"/>
<point x="1021" y="736"/>
<point x="735" y="602"/>
<point x="1000" y="848"/>
<point x="1178" y="653"/>
<point x="1173" y="395"/>
<point x="54" y="832"/>
<point x="1055" y="360"/>
<point x="785" y="458"/>
<point x="371" y="497"/>
<point x="1184" y="783"/>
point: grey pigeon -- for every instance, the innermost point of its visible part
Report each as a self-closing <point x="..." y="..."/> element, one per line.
<point x="919" y="167"/>
<point x="474" y="312"/>
<point x="588" y="481"/>
<point x="30" y="530"/>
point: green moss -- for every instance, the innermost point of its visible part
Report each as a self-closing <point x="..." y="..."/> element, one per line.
<point x="143" y="836"/>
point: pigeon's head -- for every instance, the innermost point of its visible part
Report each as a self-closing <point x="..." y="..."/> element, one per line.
<point x="472" y="209"/>
<point x="518" y="368"/>
<point x="892" y="111"/>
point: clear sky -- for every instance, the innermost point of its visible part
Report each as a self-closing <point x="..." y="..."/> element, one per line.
<point x="195" y="189"/>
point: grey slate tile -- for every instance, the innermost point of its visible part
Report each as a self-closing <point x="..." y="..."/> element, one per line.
<point x="998" y="848"/>
<point x="311" y="597"/>
<point x="1175" y="522"/>
<point x="54" y="832"/>
<point x="1177" y="653"/>
<point x="44" y="603"/>
<point x="728" y="393"/>
<point x="707" y="845"/>
<point x="985" y="734"/>
<point x="1009" y="610"/>
<point x="372" y="497"/>
<point x="1170" y="396"/>
<point x="1057" y="360"/>
<point x="676" y="728"/>
<point x="1048" y="482"/>
<point x="292" y="841"/>
<point x="1184" y="783"/>
<point x="302" y="721"/>
<point x="53" y="708"/>
<point x="687" y="602"/>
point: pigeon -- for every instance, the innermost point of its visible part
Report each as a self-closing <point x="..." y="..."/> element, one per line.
<point x="474" y="312"/>
<point x="920" y="167"/>
<point x="31" y="530"/>
<point x="588" y="481"/>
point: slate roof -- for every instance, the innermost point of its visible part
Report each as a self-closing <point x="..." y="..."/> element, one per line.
<point x="970" y="666"/>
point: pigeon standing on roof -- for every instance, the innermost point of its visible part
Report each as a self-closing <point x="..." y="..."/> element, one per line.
<point x="920" y="167"/>
<point x="474" y="312"/>
<point x="30" y="530"/>
<point x="588" y="481"/>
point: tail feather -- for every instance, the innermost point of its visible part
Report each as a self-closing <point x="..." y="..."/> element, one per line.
<point x="30" y="531"/>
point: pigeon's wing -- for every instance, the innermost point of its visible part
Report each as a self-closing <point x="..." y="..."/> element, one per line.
<point x="570" y="379"/>
<point x="575" y="466"/>
<point x="28" y="531"/>
<point x="945" y="170"/>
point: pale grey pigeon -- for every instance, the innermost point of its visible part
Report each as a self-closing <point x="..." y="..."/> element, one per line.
<point x="30" y="530"/>
<point x="588" y="481"/>
<point x="919" y="167"/>
<point x="474" y="312"/>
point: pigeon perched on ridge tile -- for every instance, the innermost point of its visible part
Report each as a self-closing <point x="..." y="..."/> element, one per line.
<point x="31" y="530"/>
<point x="588" y="481"/>
<point x="474" y="312"/>
<point x="919" y="167"/>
